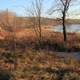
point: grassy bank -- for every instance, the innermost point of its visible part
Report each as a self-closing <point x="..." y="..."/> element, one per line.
<point x="26" y="38"/>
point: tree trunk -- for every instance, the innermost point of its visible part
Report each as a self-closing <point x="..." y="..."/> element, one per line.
<point x="40" y="31"/>
<point x="64" y="27"/>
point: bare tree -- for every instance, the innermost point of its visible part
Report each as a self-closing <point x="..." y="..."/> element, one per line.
<point x="63" y="6"/>
<point x="35" y="14"/>
<point x="8" y="23"/>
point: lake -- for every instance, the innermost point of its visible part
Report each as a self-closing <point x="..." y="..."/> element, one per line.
<point x="69" y="28"/>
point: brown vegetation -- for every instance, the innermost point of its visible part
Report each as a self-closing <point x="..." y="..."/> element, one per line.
<point x="43" y="65"/>
<point x="50" y="39"/>
<point x="25" y="59"/>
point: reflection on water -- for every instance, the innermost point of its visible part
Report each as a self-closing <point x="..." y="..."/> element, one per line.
<point x="69" y="28"/>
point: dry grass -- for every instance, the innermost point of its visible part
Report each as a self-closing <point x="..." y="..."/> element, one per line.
<point x="50" y="39"/>
<point x="27" y="63"/>
<point x="41" y="65"/>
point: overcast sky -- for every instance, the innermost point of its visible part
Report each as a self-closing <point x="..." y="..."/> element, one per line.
<point x="15" y="6"/>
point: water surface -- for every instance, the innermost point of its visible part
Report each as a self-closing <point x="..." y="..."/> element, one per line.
<point x="69" y="28"/>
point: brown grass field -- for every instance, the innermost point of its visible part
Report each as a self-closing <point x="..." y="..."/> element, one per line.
<point x="29" y="61"/>
<point x="49" y="39"/>
<point x="39" y="65"/>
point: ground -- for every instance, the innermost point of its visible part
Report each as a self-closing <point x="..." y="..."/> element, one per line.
<point x="40" y="65"/>
<point x="29" y="61"/>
